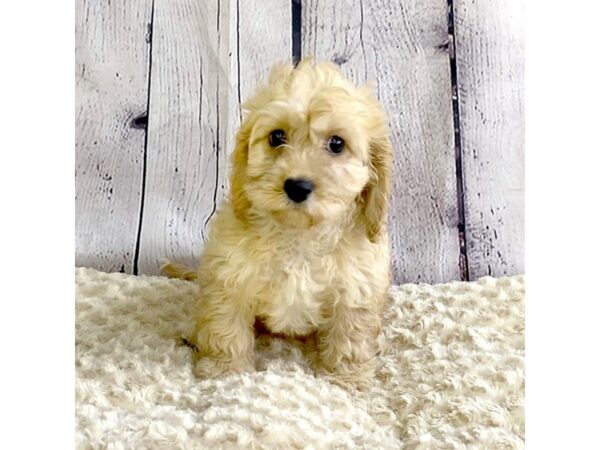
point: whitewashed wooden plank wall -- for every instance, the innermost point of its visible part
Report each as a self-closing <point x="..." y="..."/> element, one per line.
<point x="490" y="78"/>
<point x="112" y="57"/>
<point x="159" y="84"/>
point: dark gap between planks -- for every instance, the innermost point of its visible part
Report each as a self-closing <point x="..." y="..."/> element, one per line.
<point x="296" y="31"/>
<point x="149" y="39"/>
<point x="463" y="258"/>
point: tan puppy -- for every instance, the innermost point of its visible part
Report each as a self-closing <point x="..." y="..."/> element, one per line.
<point x="302" y="243"/>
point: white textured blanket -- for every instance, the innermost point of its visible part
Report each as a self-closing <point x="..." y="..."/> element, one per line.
<point x="451" y="375"/>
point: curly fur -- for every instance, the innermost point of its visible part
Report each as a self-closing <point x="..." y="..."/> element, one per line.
<point x="320" y="266"/>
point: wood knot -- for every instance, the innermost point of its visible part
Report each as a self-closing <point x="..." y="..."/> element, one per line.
<point x="140" y="122"/>
<point x="339" y="59"/>
<point x="444" y="46"/>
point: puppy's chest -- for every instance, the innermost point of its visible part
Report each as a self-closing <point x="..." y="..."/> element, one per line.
<point x="291" y="295"/>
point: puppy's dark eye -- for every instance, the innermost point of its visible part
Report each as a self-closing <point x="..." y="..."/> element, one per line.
<point x="277" y="138"/>
<point x="335" y="144"/>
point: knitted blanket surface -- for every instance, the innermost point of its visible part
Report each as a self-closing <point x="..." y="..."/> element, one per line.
<point x="451" y="375"/>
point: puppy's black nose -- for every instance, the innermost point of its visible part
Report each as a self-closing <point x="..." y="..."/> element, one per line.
<point x="297" y="189"/>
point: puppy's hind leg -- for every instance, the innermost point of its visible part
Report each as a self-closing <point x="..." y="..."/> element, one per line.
<point x="224" y="336"/>
<point x="348" y="345"/>
<point x="176" y="270"/>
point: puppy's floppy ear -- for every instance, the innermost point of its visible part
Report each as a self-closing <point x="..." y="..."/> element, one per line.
<point x="278" y="78"/>
<point x="239" y="175"/>
<point x="376" y="193"/>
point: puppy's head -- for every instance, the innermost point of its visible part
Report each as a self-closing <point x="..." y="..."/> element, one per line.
<point x="311" y="148"/>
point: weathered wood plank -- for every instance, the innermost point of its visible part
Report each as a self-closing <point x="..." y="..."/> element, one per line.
<point x="402" y="47"/>
<point x="111" y="90"/>
<point x="197" y="80"/>
<point x="490" y="75"/>
<point x="265" y="38"/>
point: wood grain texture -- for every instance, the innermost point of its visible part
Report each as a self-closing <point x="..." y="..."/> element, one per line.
<point x="111" y="90"/>
<point x="401" y="47"/>
<point x="265" y="38"/>
<point x="490" y="75"/>
<point x="193" y="62"/>
<point x="194" y="93"/>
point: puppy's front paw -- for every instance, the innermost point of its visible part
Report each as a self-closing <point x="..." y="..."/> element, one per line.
<point x="349" y="376"/>
<point x="206" y="367"/>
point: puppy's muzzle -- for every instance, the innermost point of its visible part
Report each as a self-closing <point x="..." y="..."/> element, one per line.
<point x="298" y="190"/>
